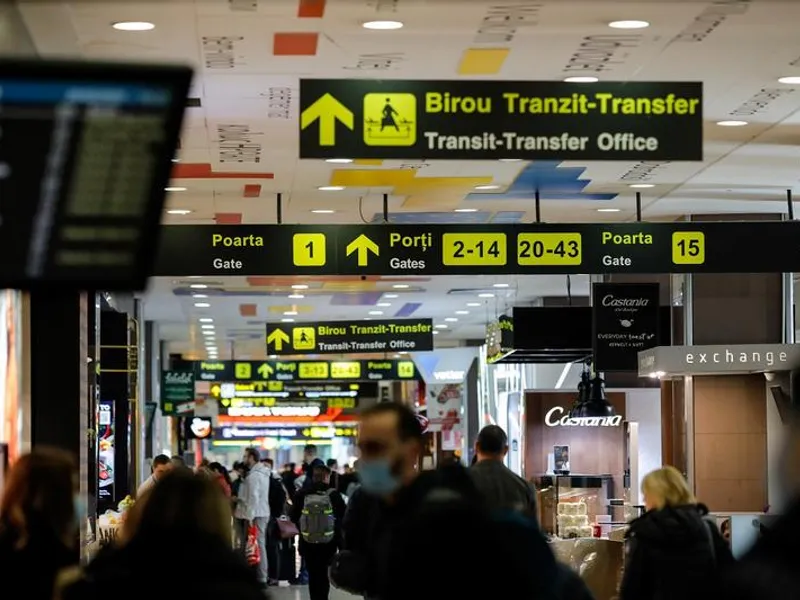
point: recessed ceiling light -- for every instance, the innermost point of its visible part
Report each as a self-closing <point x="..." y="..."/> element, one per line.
<point x="174" y="189"/>
<point x="179" y="211"/>
<point x="510" y="159"/>
<point x="400" y="286"/>
<point x="206" y="320"/>
<point x="792" y="80"/>
<point x="441" y="326"/>
<point x="209" y="333"/>
<point x="299" y="286"/>
<point x="198" y="286"/>
<point x="376" y="313"/>
<point x="486" y="295"/>
<point x="290" y="313"/>
<point x="287" y="320"/>
<point x="273" y="356"/>
<point x="466" y="210"/>
<point x="607" y="210"/>
<point x="629" y="24"/>
<point x="473" y="304"/>
<point x="330" y="188"/>
<point x="296" y="296"/>
<point x="382" y="25"/>
<point x="384" y="304"/>
<point x="176" y="160"/>
<point x="435" y="333"/>
<point x="202" y="304"/>
<point x="451" y="320"/>
<point x="368" y="318"/>
<point x="462" y="312"/>
<point x="339" y="161"/>
<point x="581" y="79"/>
<point x="501" y="285"/>
<point x="199" y="295"/>
<point x="487" y="187"/>
<point x="323" y="211"/>
<point x="390" y="296"/>
<point x="732" y="123"/>
<point x="206" y="327"/>
<point x="133" y="26"/>
<point x="642" y="186"/>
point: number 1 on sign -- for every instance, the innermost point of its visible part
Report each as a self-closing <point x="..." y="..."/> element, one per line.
<point x="308" y="249"/>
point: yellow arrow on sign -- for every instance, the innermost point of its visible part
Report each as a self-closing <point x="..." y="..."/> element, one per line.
<point x="363" y="245"/>
<point x="327" y="110"/>
<point x="278" y="338"/>
<point x="265" y="370"/>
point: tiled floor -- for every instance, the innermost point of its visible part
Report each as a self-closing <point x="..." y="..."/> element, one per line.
<point x="300" y="592"/>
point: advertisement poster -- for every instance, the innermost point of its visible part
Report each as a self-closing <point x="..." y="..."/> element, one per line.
<point x="444" y="406"/>
<point x="11" y="409"/>
<point x="105" y="450"/>
<point x="624" y="322"/>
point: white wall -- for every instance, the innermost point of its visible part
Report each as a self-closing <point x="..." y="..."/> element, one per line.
<point x="643" y="406"/>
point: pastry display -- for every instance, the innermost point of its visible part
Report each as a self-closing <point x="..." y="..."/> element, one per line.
<point x="573" y="520"/>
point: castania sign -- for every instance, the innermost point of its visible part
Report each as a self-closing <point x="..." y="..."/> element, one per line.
<point x="558" y="417"/>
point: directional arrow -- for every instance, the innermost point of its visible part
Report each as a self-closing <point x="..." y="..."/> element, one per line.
<point x="327" y="110"/>
<point x="363" y="246"/>
<point x="265" y="370"/>
<point x="278" y="338"/>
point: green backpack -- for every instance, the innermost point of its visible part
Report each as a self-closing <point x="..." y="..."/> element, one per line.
<point x="317" y="523"/>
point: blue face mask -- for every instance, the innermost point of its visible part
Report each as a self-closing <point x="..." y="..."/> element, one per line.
<point x="79" y="508"/>
<point x="377" y="478"/>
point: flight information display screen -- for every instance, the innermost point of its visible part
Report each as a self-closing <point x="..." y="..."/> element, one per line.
<point x="85" y="154"/>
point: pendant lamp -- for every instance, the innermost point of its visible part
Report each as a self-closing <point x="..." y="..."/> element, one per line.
<point x="597" y="405"/>
<point x="583" y="394"/>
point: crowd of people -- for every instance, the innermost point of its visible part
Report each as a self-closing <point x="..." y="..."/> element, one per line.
<point x="386" y="531"/>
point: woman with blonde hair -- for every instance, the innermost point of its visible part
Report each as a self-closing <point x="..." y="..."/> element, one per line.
<point x="672" y="551"/>
<point x="176" y="542"/>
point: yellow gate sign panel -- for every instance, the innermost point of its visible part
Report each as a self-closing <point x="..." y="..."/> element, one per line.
<point x="304" y="338"/>
<point x="390" y="119"/>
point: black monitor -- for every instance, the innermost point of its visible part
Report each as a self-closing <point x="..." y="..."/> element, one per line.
<point x="86" y="151"/>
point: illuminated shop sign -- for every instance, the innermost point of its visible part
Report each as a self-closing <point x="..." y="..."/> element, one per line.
<point x="559" y="417"/>
<point x="675" y="361"/>
<point x="267" y="407"/>
<point x="254" y="432"/>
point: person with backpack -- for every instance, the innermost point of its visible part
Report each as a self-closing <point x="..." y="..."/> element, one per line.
<point x="318" y="512"/>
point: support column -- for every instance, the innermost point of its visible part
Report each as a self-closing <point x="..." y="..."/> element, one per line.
<point x="59" y="351"/>
<point x="727" y="415"/>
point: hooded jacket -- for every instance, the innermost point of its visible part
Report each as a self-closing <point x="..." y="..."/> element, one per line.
<point x="255" y="493"/>
<point x="673" y="554"/>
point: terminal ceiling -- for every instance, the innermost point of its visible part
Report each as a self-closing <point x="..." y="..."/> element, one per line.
<point x="250" y="54"/>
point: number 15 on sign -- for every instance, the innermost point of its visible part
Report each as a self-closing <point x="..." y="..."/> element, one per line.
<point x="688" y="248"/>
<point x="308" y="249"/>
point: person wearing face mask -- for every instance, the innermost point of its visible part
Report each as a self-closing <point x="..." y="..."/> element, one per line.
<point x="390" y="442"/>
<point x="768" y="571"/>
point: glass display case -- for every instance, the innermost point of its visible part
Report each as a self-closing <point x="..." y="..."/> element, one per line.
<point x="582" y="498"/>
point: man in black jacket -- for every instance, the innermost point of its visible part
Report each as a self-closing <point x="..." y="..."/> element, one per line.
<point x="500" y="486"/>
<point x="390" y="440"/>
<point x="769" y="571"/>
